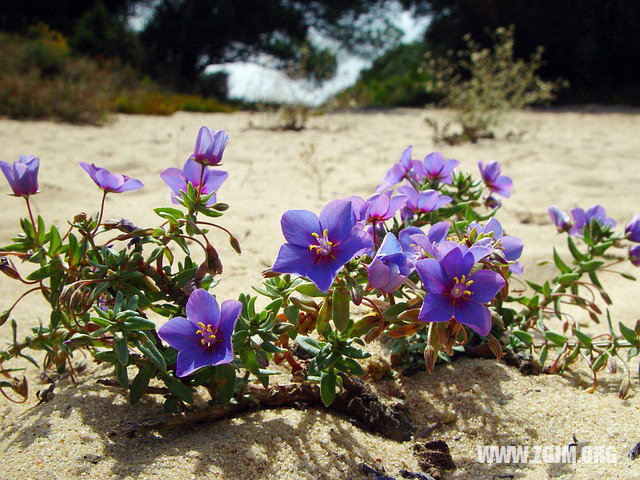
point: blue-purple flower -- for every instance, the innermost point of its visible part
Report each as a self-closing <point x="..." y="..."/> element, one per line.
<point x="210" y="145"/>
<point x="582" y="219"/>
<point x="435" y="244"/>
<point x="110" y="182"/>
<point x="633" y="229"/>
<point x="203" y="338"/>
<point x="506" y="247"/>
<point x="435" y="168"/>
<point x="391" y="265"/>
<point x="382" y="206"/>
<point x="398" y="172"/>
<point x="560" y="218"/>
<point x="208" y="180"/>
<point x="318" y="248"/>
<point x="500" y="184"/>
<point x="453" y="292"/>
<point x="22" y="175"/>
<point x="421" y="202"/>
<point x="634" y="255"/>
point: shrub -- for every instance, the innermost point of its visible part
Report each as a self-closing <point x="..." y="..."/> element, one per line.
<point x="481" y="84"/>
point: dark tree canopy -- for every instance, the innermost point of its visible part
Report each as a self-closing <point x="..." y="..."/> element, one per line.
<point x="592" y="43"/>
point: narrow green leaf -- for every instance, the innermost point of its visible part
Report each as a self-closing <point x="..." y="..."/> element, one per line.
<point x="121" y="348"/>
<point x="122" y="376"/>
<point x="340" y="308"/>
<point x="225" y="379"/>
<point x="583" y="338"/>
<point x="55" y="242"/>
<point x="629" y="334"/>
<point x="328" y="387"/>
<point x="563" y="267"/>
<point x="555" y="338"/>
<point x="141" y="382"/>
<point x="524" y="337"/>
<point x="180" y="390"/>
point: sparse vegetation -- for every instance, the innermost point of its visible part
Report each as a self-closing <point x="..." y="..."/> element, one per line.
<point x="482" y="84"/>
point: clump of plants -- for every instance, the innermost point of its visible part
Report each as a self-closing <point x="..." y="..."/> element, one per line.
<point x="482" y="84"/>
<point x="428" y="266"/>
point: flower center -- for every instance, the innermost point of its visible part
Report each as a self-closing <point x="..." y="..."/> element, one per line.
<point x="459" y="289"/>
<point x="323" y="247"/>
<point x="208" y="335"/>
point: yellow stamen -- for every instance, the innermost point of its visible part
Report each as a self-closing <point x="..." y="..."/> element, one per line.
<point x="212" y="337"/>
<point x="467" y="292"/>
<point x="209" y="328"/>
<point x="315" y="235"/>
<point x="199" y="332"/>
<point x="201" y="325"/>
<point x="325" y="232"/>
<point x="202" y="341"/>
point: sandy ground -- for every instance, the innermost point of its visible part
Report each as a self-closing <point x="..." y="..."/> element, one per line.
<point x="568" y="158"/>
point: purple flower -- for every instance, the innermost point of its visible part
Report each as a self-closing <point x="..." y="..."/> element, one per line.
<point x="391" y="265"/>
<point x="192" y="173"/>
<point x="382" y="206"/>
<point x="317" y="248"/>
<point x="583" y="219"/>
<point x="455" y="292"/>
<point x="436" y="245"/>
<point x="210" y="146"/>
<point x="505" y="248"/>
<point x="634" y="255"/>
<point x="22" y="175"/>
<point x="111" y="182"/>
<point x="421" y="202"/>
<point x="633" y="229"/>
<point x="560" y="218"/>
<point x="497" y="183"/>
<point x="408" y="245"/>
<point x="204" y="337"/>
<point x="435" y="168"/>
<point x="398" y="172"/>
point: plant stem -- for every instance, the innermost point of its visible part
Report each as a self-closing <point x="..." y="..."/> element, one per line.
<point x="35" y="228"/>
<point x="104" y="196"/>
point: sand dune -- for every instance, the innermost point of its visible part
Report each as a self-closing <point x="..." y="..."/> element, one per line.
<point x="567" y="158"/>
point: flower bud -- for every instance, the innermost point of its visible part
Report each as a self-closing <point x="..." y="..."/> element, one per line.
<point x="612" y="365"/>
<point x="8" y="269"/>
<point x="214" y="265"/>
<point x="80" y="218"/>
<point x="430" y="357"/>
<point x="624" y="387"/>
<point x="220" y="207"/>
<point x="495" y="347"/>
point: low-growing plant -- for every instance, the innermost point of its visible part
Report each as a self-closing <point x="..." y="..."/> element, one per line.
<point x="430" y="267"/>
<point x="482" y="84"/>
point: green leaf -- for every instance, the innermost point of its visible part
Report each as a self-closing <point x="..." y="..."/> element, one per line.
<point x="629" y="334"/>
<point x="310" y="290"/>
<point x="180" y="390"/>
<point x="628" y="276"/>
<point x="141" y="382"/>
<point x="74" y="251"/>
<point x="138" y="323"/>
<point x="353" y="352"/>
<point x="150" y="351"/>
<point x="574" y="250"/>
<point x="166" y="212"/>
<point x="349" y="365"/>
<point x="310" y="345"/>
<point x="568" y="278"/>
<point x="563" y="267"/>
<point x="555" y="338"/>
<point x="393" y="311"/>
<point x="340" y="308"/>
<point x="121" y="348"/>
<point x="602" y="247"/>
<point x="55" y="242"/>
<point x="583" y="338"/>
<point x="40" y="273"/>
<point x="591" y="265"/>
<point x="543" y="355"/>
<point x="41" y="230"/>
<point x="122" y="376"/>
<point x="225" y="379"/>
<point x="327" y="387"/>
<point x="524" y="337"/>
<point x="249" y="360"/>
<point x="324" y="315"/>
<point x="600" y="361"/>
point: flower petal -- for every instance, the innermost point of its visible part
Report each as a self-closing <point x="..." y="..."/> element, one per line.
<point x="130" y="184"/>
<point x="203" y="307"/>
<point x="175" y="178"/>
<point x="229" y="313"/>
<point x="456" y="263"/>
<point x="436" y="308"/>
<point x="193" y="359"/>
<point x="324" y="273"/>
<point x="486" y="284"/>
<point x="432" y="276"/>
<point x="438" y="232"/>
<point x="474" y="315"/>
<point x="109" y="181"/>
<point x="180" y="333"/>
<point x="294" y="259"/>
<point x="512" y="247"/>
<point x="222" y="353"/>
<point x="298" y="225"/>
<point x="338" y="219"/>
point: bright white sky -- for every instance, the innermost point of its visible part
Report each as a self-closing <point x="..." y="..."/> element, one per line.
<point x="254" y="82"/>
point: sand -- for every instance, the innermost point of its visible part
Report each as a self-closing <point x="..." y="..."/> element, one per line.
<point x="568" y="158"/>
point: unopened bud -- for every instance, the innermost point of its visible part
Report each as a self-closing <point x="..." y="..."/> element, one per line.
<point x="80" y="217"/>
<point x="235" y="244"/>
<point x="495" y="347"/>
<point x="637" y="327"/>
<point x="430" y="357"/>
<point x="220" y="207"/>
<point x="624" y="387"/>
<point x="612" y="365"/>
<point x="214" y="265"/>
<point x="595" y="308"/>
<point x="8" y="269"/>
<point x="4" y="316"/>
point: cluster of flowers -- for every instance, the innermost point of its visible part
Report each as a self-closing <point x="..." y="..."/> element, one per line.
<point x="417" y="245"/>
<point x="460" y="271"/>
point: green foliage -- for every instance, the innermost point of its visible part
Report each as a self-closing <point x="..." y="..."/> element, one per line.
<point x="394" y="80"/>
<point x="482" y="84"/>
